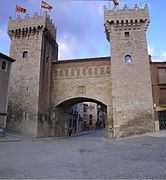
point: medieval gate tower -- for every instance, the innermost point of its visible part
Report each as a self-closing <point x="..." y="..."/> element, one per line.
<point x="33" y="45"/>
<point x="130" y="71"/>
<point x="42" y="89"/>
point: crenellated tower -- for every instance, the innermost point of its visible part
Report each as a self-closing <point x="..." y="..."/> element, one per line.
<point x="33" y="45"/>
<point x="131" y="81"/>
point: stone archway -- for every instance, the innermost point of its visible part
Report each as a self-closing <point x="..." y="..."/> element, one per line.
<point x="72" y="82"/>
<point x="78" y="81"/>
<point x="60" y="114"/>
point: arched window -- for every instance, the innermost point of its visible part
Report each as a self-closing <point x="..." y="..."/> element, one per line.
<point x="66" y="72"/>
<point x="102" y="70"/>
<point x="84" y="72"/>
<point x="78" y="72"/>
<point x="72" y="72"/>
<point x="96" y="71"/>
<point x="61" y="73"/>
<point x="128" y="59"/>
<point x="108" y="70"/>
<point x="25" y="54"/>
<point x="4" y="65"/>
<point x="127" y="34"/>
<point x="89" y="71"/>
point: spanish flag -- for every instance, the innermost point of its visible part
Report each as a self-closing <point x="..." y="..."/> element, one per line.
<point x="46" y="5"/>
<point x="115" y="2"/>
<point x="20" y="9"/>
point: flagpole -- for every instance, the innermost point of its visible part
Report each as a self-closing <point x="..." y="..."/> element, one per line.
<point x="41" y="8"/>
<point x="40" y="11"/>
<point x="109" y="5"/>
<point x="15" y="12"/>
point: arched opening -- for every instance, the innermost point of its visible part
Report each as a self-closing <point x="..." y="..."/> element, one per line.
<point x="25" y="54"/>
<point x="81" y="116"/>
<point x="128" y="59"/>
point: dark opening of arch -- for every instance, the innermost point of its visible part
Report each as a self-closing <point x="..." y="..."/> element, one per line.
<point x="84" y="115"/>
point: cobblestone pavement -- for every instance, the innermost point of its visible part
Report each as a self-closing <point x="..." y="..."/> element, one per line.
<point x="84" y="157"/>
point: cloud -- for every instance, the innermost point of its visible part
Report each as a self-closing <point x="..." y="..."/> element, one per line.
<point x="80" y="25"/>
<point x="4" y="40"/>
<point x="156" y="56"/>
<point x="3" y="31"/>
<point x="159" y="58"/>
<point x="151" y="50"/>
<point x="67" y="47"/>
<point x="162" y="57"/>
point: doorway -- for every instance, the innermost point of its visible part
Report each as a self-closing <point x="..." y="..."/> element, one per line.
<point x="162" y="119"/>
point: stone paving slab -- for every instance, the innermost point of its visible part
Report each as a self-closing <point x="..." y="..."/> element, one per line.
<point x="84" y="157"/>
<point x="161" y="133"/>
<point x="82" y="133"/>
<point x="10" y="137"/>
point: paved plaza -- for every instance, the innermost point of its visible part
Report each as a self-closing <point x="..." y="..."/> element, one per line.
<point x="88" y="156"/>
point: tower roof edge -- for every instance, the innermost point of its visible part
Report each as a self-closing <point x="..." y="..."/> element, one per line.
<point x="126" y="13"/>
<point x="30" y="22"/>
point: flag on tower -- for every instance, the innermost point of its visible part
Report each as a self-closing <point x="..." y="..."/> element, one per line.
<point x="115" y="2"/>
<point x="20" y="9"/>
<point x="46" y="5"/>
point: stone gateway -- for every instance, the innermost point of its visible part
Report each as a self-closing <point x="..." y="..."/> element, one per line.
<point x="42" y="89"/>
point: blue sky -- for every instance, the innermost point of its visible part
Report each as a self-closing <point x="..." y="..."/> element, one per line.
<point x="80" y="26"/>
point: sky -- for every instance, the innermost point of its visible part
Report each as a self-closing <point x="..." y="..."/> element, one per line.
<point x="80" y="25"/>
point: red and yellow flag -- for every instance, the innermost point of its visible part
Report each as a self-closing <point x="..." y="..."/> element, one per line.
<point x="46" y="5"/>
<point x="20" y="9"/>
<point x="115" y="2"/>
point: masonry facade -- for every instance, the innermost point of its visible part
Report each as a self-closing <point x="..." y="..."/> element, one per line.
<point x="5" y="67"/>
<point x="130" y="70"/>
<point x="43" y="89"/>
<point x="158" y="74"/>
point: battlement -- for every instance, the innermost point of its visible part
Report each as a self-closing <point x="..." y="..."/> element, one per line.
<point x="31" y="25"/>
<point x="126" y="14"/>
<point x="126" y="19"/>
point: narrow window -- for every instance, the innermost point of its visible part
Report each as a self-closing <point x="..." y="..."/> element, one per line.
<point x="61" y="73"/>
<point x="162" y="75"/>
<point x="90" y="122"/>
<point x="128" y="59"/>
<point x="84" y="72"/>
<point x="72" y="72"/>
<point x="4" y="65"/>
<point x="84" y="108"/>
<point x="78" y="72"/>
<point x="47" y="59"/>
<point x="25" y="54"/>
<point x="90" y="71"/>
<point x="127" y="34"/>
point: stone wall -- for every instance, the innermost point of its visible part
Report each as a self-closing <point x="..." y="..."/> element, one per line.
<point x="30" y="76"/>
<point x="131" y="81"/>
<point x="4" y="83"/>
<point x="156" y="84"/>
<point x="80" y="80"/>
<point x="42" y="89"/>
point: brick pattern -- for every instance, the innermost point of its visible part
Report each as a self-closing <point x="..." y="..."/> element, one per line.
<point x="131" y="82"/>
<point x="30" y="77"/>
<point x="82" y="80"/>
<point x="43" y="89"/>
<point x="81" y="72"/>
